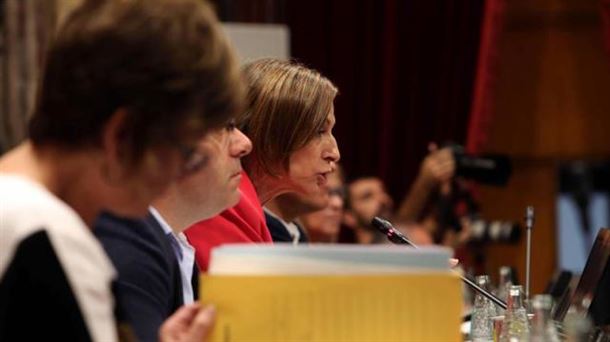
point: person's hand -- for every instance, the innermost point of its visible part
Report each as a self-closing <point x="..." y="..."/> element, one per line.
<point x="438" y="166"/>
<point x="466" y="232"/>
<point x="191" y="323"/>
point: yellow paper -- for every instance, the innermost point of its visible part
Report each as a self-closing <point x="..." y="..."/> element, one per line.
<point x="409" y="307"/>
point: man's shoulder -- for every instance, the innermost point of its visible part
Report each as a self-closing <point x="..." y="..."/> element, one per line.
<point x="112" y="227"/>
<point x="133" y="242"/>
<point x="149" y="280"/>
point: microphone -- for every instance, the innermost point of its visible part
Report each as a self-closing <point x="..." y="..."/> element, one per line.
<point x="393" y="234"/>
<point x="398" y="238"/>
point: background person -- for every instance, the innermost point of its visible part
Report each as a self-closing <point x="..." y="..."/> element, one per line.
<point x="324" y="225"/>
<point x="367" y="197"/>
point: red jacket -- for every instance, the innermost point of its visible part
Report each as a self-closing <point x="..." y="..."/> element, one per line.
<point x="245" y="222"/>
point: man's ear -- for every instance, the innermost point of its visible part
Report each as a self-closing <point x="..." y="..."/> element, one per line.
<point x="349" y="219"/>
<point x="112" y="143"/>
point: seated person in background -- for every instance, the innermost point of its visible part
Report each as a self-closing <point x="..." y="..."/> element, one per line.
<point x="119" y="104"/>
<point x="325" y="207"/>
<point x="324" y="225"/>
<point x="367" y="198"/>
<point x="289" y="119"/>
<point x="156" y="264"/>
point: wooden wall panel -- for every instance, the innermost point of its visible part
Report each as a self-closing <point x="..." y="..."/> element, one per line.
<point x="552" y="94"/>
<point x="551" y="102"/>
<point x="532" y="184"/>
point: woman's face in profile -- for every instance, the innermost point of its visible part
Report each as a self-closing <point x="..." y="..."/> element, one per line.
<point x="310" y="165"/>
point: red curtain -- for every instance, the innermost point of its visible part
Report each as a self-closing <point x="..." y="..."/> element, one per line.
<point x="482" y="100"/>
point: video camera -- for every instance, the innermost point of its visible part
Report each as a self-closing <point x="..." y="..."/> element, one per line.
<point x="490" y="169"/>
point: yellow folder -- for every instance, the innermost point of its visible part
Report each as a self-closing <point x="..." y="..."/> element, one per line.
<point x="402" y="307"/>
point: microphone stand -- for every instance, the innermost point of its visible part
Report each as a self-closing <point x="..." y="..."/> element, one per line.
<point x="529" y="223"/>
<point x="398" y="238"/>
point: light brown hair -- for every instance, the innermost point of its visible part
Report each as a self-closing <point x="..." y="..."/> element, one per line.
<point x="287" y="105"/>
<point x="165" y="61"/>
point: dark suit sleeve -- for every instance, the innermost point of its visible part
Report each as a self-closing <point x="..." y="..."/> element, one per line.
<point x="146" y="286"/>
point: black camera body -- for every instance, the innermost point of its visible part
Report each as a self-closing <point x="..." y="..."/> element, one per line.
<point x="490" y="169"/>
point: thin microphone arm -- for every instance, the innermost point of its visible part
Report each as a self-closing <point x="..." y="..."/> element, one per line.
<point x="529" y="223"/>
<point x="398" y="238"/>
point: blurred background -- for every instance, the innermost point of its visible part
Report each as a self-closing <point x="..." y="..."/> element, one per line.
<point x="529" y="79"/>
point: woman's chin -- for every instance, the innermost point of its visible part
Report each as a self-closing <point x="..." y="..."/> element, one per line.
<point x="318" y="196"/>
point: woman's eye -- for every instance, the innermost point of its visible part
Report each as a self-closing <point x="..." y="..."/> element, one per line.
<point x="323" y="131"/>
<point x="231" y="125"/>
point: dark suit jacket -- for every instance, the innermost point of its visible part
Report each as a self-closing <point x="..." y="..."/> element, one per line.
<point x="279" y="233"/>
<point x="149" y="283"/>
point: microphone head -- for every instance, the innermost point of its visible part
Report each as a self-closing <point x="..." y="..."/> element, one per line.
<point x="529" y="217"/>
<point x="382" y="225"/>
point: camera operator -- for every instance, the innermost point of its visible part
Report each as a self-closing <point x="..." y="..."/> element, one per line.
<point x="367" y="198"/>
<point x="435" y="174"/>
<point x="441" y="201"/>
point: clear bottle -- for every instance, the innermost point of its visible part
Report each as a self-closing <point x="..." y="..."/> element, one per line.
<point x="543" y="327"/>
<point x="481" y="328"/>
<point x="515" y="326"/>
<point x="504" y="282"/>
<point x="577" y="326"/>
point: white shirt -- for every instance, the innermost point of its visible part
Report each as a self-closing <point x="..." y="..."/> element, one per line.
<point x="185" y="256"/>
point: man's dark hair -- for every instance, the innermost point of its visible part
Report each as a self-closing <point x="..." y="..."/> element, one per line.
<point x="165" y="62"/>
